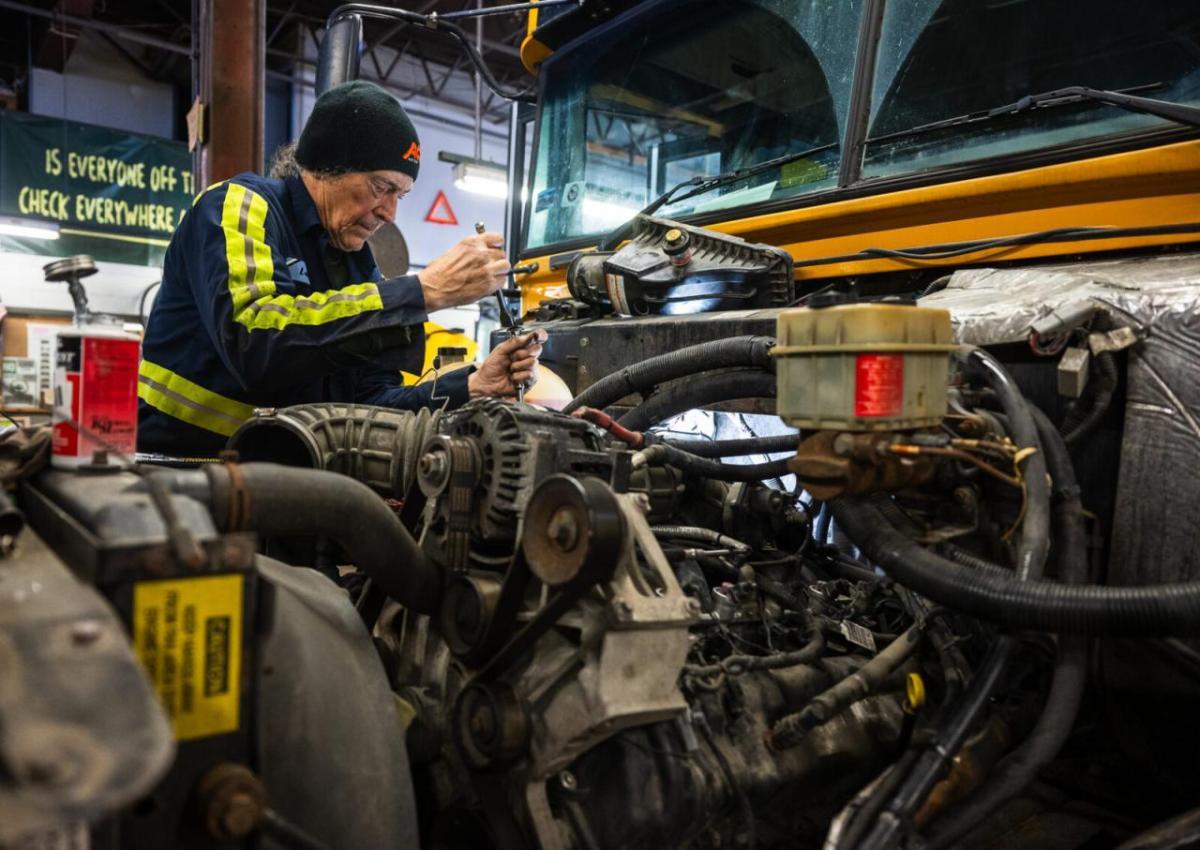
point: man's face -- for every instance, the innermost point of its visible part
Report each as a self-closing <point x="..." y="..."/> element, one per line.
<point x="356" y="205"/>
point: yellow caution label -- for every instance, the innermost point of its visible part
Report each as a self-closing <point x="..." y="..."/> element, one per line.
<point x="188" y="635"/>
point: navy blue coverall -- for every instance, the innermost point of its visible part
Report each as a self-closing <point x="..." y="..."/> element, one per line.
<point x="257" y="309"/>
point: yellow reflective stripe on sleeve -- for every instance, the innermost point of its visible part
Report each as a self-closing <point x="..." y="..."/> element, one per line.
<point x="196" y="199"/>
<point x="176" y="396"/>
<point x="252" y="275"/>
<point x="251" y="271"/>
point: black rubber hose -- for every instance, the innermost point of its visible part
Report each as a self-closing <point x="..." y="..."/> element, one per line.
<point x="969" y="559"/>
<point x="792" y="728"/>
<point x="1075" y="428"/>
<point x="697" y="391"/>
<point x="849" y="571"/>
<point x="285" y="501"/>
<point x="1017" y="770"/>
<point x="1032" y="548"/>
<point x="700" y="535"/>
<point x="949" y="738"/>
<point x="1035" y="525"/>
<point x="378" y="446"/>
<point x="728" y="353"/>
<point x="732" y="448"/>
<point x="709" y="468"/>
<point x="1148" y="611"/>
<point x="11" y="518"/>
<point x="897" y="517"/>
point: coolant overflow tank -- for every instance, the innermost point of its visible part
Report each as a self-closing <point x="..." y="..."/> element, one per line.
<point x="863" y="367"/>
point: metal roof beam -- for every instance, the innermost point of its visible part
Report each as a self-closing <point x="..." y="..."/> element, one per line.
<point x="115" y="30"/>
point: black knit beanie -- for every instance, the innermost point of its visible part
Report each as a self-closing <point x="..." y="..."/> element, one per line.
<point x="358" y="126"/>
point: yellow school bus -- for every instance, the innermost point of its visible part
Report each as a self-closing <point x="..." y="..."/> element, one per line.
<point x="943" y="133"/>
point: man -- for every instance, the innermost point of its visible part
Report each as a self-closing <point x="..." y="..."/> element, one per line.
<point x="270" y="296"/>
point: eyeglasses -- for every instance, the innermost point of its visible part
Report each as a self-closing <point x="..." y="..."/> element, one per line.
<point x="381" y="188"/>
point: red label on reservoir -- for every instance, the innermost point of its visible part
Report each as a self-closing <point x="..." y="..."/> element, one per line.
<point x="879" y="385"/>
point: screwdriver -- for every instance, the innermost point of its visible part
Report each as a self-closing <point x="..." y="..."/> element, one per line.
<point x="506" y="316"/>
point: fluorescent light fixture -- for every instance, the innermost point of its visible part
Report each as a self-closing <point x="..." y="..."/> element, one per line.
<point x="481" y="178"/>
<point x="28" y="228"/>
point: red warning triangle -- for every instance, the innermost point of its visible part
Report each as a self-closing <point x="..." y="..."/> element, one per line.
<point x="440" y="212"/>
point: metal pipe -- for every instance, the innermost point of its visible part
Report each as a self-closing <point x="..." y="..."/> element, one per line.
<point x="515" y="173"/>
<point x="419" y="113"/>
<point x="479" y="11"/>
<point x="368" y="10"/>
<point x="790" y="730"/>
<point x="385" y="82"/>
<point x="479" y="85"/>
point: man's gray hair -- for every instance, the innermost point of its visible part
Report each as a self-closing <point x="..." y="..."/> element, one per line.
<point x="283" y="165"/>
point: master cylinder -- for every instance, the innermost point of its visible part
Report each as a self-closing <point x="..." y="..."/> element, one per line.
<point x="860" y="375"/>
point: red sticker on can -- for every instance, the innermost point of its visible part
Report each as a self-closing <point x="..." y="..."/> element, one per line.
<point x="110" y="378"/>
<point x="879" y="385"/>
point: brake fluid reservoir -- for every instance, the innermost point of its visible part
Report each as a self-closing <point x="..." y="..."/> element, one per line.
<point x="863" y="367"/>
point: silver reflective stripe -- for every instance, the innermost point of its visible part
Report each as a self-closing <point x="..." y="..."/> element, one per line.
<point x="341" y="296"/>
<point x="187" y="402"/>
<point x="256" y="306"/>
<point x="307" y="304"/>
<point x="244" y="229"/>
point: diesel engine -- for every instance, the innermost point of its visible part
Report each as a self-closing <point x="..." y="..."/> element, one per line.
<point x="869" y="620"/>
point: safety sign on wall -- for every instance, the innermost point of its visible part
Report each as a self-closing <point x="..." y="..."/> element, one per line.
<point x="441" y="212"/>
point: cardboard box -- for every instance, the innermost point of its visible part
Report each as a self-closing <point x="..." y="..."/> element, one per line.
<point x="15" y="331"/>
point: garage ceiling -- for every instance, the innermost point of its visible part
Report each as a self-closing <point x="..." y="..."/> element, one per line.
<point x="157" y="36"/>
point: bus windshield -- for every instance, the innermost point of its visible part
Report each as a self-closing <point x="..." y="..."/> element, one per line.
<point x="676" y="90"/>
<point x="687" y="90"/>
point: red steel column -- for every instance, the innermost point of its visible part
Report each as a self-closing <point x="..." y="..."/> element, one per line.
<point x="232" y="73"/>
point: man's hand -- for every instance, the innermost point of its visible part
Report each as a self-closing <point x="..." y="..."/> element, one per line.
<point x="512" y="362"/>
<point x="472" y="269"/>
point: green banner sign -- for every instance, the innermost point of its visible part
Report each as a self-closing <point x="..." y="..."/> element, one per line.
<point x="117" y="196"/>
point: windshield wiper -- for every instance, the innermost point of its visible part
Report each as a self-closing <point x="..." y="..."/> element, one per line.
<point x="705" y="184"/>
<point x="1189" y="116"/>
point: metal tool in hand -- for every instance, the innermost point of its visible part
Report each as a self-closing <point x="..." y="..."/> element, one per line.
<point x="506" y="319"/>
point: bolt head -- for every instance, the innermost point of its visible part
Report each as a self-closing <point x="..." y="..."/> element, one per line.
<point x="483" y="723"/>
<point x="86" y="632"/>
<point x="567" y="780"/>
<point x="240" y="816"/>
<point x="432" y="466"/>
<point x="843" y="444"/>
<point x="563" y="529"/>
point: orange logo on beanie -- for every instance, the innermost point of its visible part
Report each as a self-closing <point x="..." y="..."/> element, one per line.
<point x="413" y="154"/>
